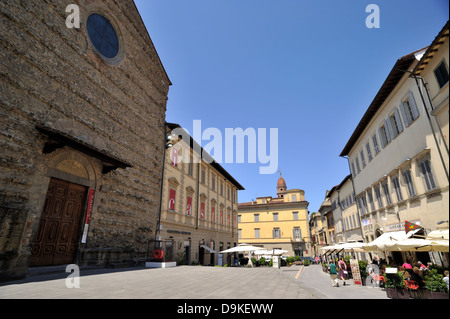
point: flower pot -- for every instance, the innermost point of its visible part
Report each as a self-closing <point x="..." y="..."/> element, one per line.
<point x="402" y="293"/>
<point x="436" y="295"/>
<point x="391" y="293"/>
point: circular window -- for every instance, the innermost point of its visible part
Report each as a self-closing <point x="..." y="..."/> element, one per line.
<point x="102" y="35"/>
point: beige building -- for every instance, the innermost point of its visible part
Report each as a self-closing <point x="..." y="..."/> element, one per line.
<point x="398" y="153"/>
<point x="81" y="135"/>
<point x="277" y="223"/>
<point x="345" y="214"/>
<point x="199" y="202"/>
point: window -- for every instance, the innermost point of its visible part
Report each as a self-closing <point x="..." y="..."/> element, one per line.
<point x="202" y="210"/>
<point x="361" y="206"/>
<point x="353" y="169"/>
<point x="378" y="196"/>
<point x="294" y="198"/>
<point x="239" y="218"/>
<point x="203" y="176"/>
<point x="363" y="159"/>
<point x="386" y="192"/>
<point x="409" y="183"/>
<point x="372" y="204"/>
<point x="425" y="169"/>
<point x="375" y="144"/>
<point x="276" y="233"/>
<point x="275" y="217"/>
<point x="102" y="35"/>
<point x="385" y="137"/>
<point x="239" y="233"/>
<point x="398" y="191"/>
<point x="297" y="233"/>
<point x="174" y="157"/>
<point x="357" y="165"/>
<point x="213" y="183"/>
<point x="369" y="153"/>
<point x="396" y="123"/>
<point x="221" y="188"/>
<point x="172" y="199"/>
<point x="189" y="206"/>
<point x="256" y="217"/>
<point x="295" y="215"/>
<point x="441" y="74"/>
<point x="191" y="168"/>
<point x="256" y="232"/>
<point x="409" y="109"/>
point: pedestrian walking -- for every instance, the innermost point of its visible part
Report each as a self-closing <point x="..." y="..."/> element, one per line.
<point x="333" y="274"/>
<point x="342" y="270"/>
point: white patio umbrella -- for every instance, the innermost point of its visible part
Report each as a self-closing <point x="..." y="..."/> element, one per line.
<point x="417" y="244"/>
<point x="386" y="240"/>
<point x="438" y="234"/>
<point x="273" y="252"/>
<point x="242" y="248"/>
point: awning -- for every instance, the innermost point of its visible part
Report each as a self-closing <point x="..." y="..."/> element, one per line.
<point x="438" y="234"/>
<point x="417" y="244"/>
<point x="58" y="139"/>
<point x="208" y="249"/>
<point x="385" y="241"/>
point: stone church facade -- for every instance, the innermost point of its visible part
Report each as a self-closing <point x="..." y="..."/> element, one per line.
<point x="82" y="114"/>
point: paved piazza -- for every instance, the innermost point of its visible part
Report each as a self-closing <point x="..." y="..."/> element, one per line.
<point x="189" y="282"/>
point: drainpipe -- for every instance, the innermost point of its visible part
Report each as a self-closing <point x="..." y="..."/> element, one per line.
<point x="158" y="225"/>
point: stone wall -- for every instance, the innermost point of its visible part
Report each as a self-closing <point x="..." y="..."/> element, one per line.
<point x="51" y="76"/>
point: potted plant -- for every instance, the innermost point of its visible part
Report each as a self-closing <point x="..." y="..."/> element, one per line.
<point x="395" y="286"/>
<point x="362" y="270"/>
<point x="435" y="286"/>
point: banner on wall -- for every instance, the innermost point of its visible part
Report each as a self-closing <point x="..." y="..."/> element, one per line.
<point x="90" y="203"/>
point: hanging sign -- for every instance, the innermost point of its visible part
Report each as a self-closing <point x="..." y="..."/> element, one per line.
<point x="90" y="203"/>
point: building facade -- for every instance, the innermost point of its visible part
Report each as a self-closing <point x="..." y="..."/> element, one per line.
<point x="81" y="135"/>
<point x="199" y="202"/>
<point x="346" y="218"/>
<point x="277" y="223"/>
<point x="398" y="153"/>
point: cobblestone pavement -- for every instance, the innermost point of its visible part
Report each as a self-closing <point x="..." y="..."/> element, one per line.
<point x="188" y="282"/>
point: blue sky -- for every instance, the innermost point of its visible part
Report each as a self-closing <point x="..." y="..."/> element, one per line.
<point x="308" y="68"/>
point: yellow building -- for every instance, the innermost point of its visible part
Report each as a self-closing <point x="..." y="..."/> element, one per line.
<point x="276" y="223"/>
<point x="199" y="203"/>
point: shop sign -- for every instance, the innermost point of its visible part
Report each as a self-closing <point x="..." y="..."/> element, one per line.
<point x="355" y="271"/>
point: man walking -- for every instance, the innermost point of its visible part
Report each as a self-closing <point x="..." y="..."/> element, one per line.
<point x="333" y="273"/>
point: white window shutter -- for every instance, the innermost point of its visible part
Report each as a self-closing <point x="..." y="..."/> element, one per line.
<point x="402" y="110"/>
<point x="413" y="104"/>
<point x="399" y="121"/>
<point x="381" y="138"/>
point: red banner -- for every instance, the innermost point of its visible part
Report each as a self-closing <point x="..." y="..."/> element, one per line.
<point x="175" y="157"/>
<point x="189" y="205"/>
<point x="213" y="214"/>
<point x="202" y="210"/>
<point x="89" y="205"/>
<point x="172" y="200"/>
<point x="221" y="217"/>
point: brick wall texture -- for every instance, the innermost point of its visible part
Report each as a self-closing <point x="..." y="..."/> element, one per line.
<point x="50" y="75"/>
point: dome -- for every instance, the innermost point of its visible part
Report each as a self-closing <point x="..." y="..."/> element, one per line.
<point x="281" y="182"/>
